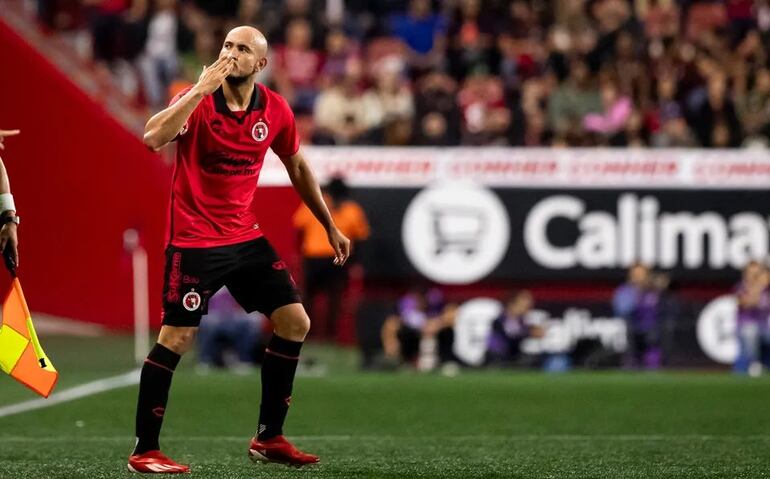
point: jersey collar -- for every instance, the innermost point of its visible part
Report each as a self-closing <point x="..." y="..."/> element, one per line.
<point x="220" y="104"/>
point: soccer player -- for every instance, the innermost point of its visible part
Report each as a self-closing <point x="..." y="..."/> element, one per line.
<point x="223" y="126"/>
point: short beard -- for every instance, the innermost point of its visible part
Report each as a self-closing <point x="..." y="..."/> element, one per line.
<point x="237" y="80"/>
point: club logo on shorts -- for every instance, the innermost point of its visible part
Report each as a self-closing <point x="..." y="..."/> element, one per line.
<point x="259" y="131"/>
<point x="191" y="301"/>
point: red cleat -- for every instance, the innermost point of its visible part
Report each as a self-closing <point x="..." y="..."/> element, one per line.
<point x="280" y="451"/>
<point x="155" y="462"/>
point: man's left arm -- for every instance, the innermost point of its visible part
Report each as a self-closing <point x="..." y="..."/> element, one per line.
<point x="305" y="183"/>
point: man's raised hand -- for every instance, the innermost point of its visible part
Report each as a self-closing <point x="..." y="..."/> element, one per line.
<point x="214" y="75"/>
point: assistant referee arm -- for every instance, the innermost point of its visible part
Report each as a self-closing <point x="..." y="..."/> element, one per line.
<point x="5" y="184"/>
<point x="8" y="235"/>
<point x="6" y="202"/>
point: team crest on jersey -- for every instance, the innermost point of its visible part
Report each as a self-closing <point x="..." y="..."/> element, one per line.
<point x="191" y="301"/>
<point x="184" y="129"/>
<point x="259" y="131"/>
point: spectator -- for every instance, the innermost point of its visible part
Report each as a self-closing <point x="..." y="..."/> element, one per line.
<point x="617" y="111"/>
<point x="714" y="119"/>
<point x="667" y="107"/>
<point x="204" y="52"/>
<point x="437" y="114"/>
<point x="636" y="301"/>
<point x="661" y="18"/>
<point x="228" y="337"/>
<point x="536" y="129"/>
<point x="484" y="112"/>
<point x="297" y="67"/>
<point x="322" y="276"/>
<point x="628" y="72"/>
<point x="395" y="101"/>
<point x="346" y="113"/>
<point x="667" y="120"/>
<point x="62" y="15"/>
<point x="741" y="18"/>
<point x="423" y="320"/>
<point x="755" y="109"/>
<point x="106" y="23"/>
<point x="307" y="11"/>
<point x="340" y="50"/>
<point x="612" y="18"/>
<point x="573" y="99"/>
<point x="509" y="63"/>
<point x="519" y="43"/>
<point x="158" y="62"/>
<point x="669" y="311"/>
<point x="471" y="36"/>
<point x="424" y="33"/>
<point x="675" y="133"/>
<point x="258" y="14"/>
<point x="510" y="329"/>
<point x="753" y="310"/>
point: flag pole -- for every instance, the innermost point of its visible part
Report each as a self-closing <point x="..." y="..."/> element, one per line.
<point x="141" y="294"/>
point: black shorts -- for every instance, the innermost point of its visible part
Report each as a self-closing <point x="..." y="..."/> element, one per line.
<point x="252" y="271"/>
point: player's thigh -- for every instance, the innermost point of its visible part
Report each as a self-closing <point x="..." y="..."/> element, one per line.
<point x="192" y="276"/>
<point x="262" y="282"/>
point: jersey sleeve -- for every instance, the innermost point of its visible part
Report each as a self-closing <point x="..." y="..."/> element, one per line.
<point x="286" y="142"/>
<point x="192" y="120"/>
<point x="179" y="95"/>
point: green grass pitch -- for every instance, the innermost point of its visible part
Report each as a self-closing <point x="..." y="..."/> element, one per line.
<point x="476" y="425"/>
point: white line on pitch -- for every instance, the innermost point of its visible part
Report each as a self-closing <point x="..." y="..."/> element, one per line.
<point x="77" y="392"/>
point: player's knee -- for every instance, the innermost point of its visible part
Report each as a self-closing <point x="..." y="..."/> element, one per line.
<point x="301" y="325"/>
<point x="296" y="328"/>
<point x="179" y="340"/>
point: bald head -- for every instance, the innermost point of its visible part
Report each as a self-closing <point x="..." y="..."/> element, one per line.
<point x="251" y="36"/>
<point x="248" y="47"/>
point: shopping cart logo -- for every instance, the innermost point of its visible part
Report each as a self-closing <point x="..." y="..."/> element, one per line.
<point x="458" y="228"/>
<point x="456" y="233"/>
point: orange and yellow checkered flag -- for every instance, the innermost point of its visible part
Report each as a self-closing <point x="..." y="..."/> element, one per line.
<point x="20" y="353"/>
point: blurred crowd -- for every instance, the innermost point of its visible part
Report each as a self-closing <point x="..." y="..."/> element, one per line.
<point x="421" y="331"/>
<point x="658" y="73"/>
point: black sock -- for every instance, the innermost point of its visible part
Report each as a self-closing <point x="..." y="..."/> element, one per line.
<point x="278" y="368"/>
<point x="154" y="384"/>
